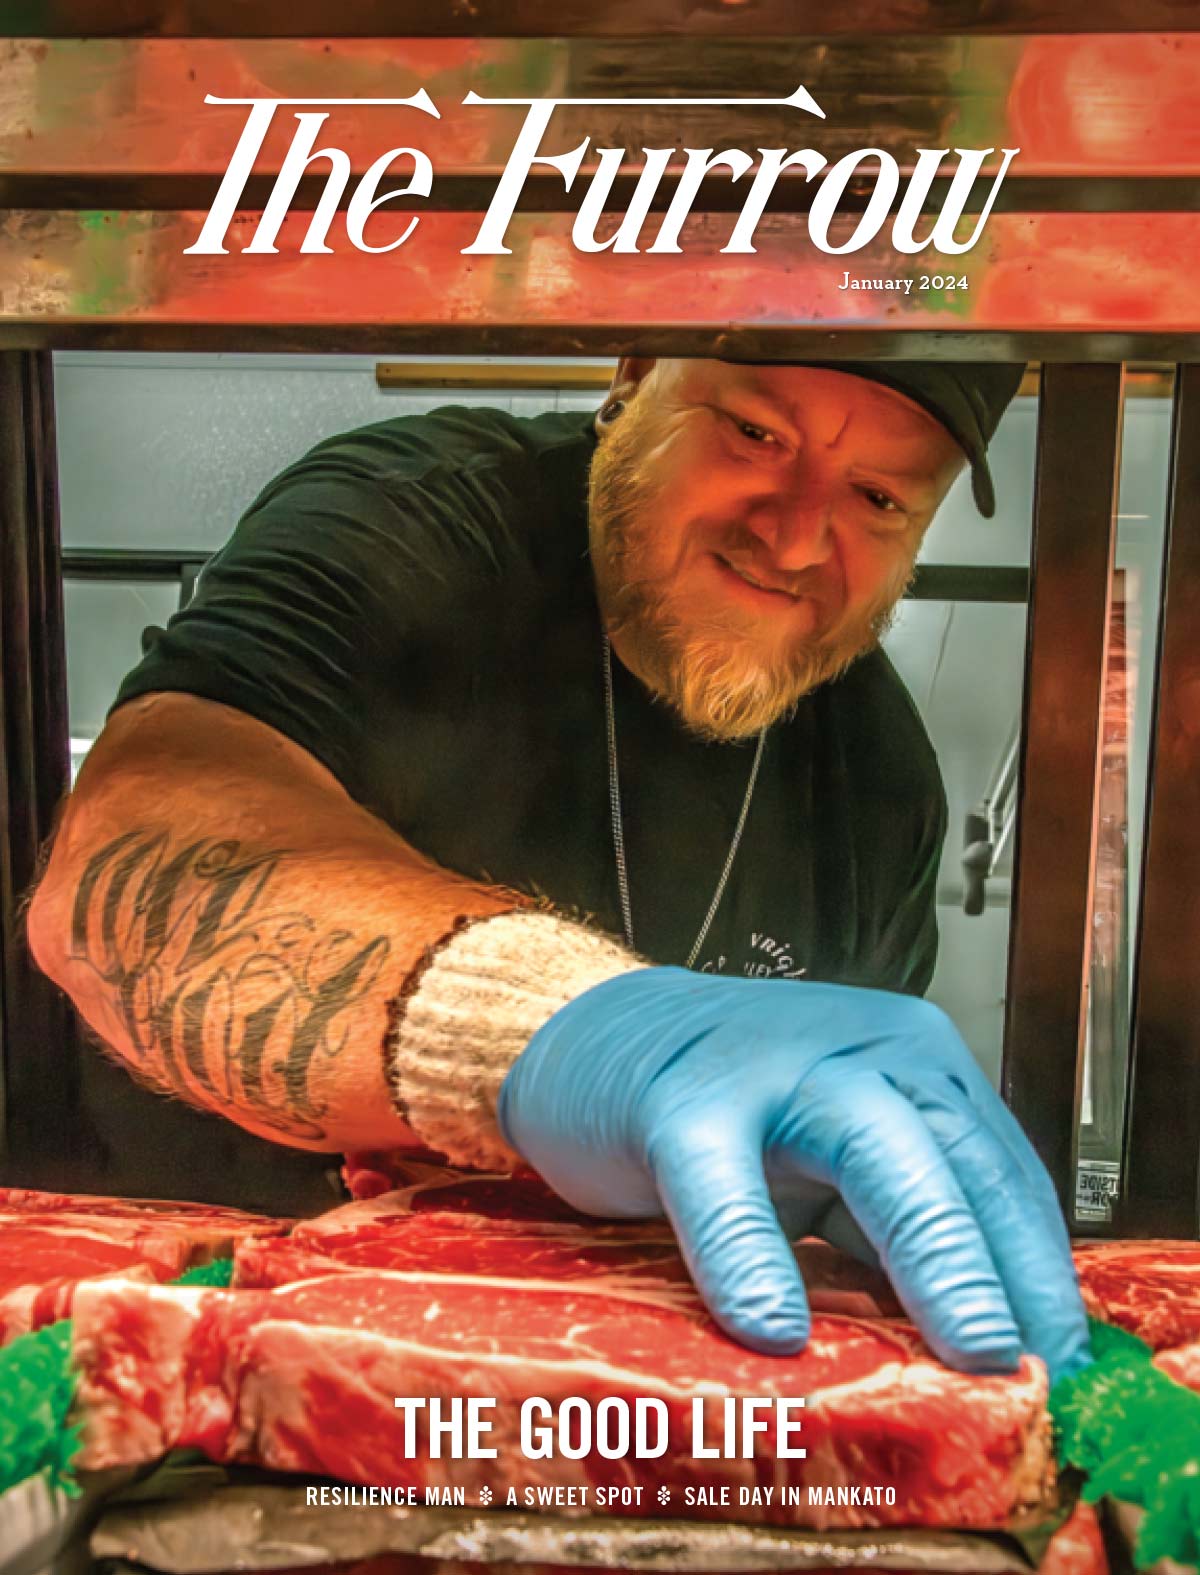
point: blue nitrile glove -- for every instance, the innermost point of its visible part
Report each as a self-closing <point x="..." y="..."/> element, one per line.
<point x="697" y="1096"/>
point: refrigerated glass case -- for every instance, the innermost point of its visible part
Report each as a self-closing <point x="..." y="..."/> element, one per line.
<point x="1052" y="651"/>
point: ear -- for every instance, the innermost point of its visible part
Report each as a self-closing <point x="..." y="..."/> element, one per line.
<point x="631" y="369"/>
<point x="626" y="379"/>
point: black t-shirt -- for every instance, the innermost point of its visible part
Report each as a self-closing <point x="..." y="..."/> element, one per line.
<point x="413" y="603"/>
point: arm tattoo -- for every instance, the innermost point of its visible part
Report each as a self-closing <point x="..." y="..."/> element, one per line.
<point x="227" y="997"/>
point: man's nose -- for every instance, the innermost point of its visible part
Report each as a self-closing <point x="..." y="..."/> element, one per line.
<point x="795" y="524"/>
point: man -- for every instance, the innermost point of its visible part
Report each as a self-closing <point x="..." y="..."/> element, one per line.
<point x="460" y="702"/>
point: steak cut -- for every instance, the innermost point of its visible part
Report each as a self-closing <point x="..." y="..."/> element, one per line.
<point x="49" y="1242"/>
<point x="1151" y="1289"/>
<point x="304" y="1378"/>
<point x="459" y="1286"/>
<point x="499" y="1225"/>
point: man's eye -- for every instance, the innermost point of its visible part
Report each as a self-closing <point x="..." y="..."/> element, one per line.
<point x="754" y="433"/>
<point x="880" y="500"/>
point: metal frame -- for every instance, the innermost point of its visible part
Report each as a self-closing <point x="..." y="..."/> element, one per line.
<point x="108" y="149"/>
<point x="582" y="18"/>
<point x="37" y="189"/>
<point x="37" y="1037"/>
<point x="932" y="582"/>
<point x="588" y="339"/>
<point x="1074" y="532"/>
<point x="1162" y="1168"/>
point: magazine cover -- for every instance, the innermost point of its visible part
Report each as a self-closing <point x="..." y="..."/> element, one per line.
<point x="600" y="878"/>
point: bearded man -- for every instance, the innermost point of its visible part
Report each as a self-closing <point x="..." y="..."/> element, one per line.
<point x="537" y="790"/>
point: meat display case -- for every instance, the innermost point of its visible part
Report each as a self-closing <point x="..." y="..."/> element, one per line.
<point x="109" y="159"/>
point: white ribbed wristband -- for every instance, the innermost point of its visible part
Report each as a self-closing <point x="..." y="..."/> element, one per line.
<point x="477" y="1003"/>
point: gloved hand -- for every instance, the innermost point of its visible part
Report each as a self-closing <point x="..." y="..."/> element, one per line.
<point x="698" y="1096"/>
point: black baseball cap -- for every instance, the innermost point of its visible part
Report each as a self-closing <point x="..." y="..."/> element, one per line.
<point x="967" y="397"/>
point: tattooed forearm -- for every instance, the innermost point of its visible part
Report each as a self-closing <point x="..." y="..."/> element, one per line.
<point x="228" y="996"/>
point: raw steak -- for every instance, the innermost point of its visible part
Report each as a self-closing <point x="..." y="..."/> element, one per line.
<point x="1182" y="1364"/>
<point x="427" y="1294"/>
<point x="497" y="1225"/>
<point x="1151" y="1288"/>
<point x="50" y="1242"/>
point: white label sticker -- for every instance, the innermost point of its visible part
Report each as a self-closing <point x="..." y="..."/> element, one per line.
<point x="1096" y="1184"/>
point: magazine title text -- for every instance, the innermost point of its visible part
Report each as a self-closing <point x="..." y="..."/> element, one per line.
<point x="897" y="198"/>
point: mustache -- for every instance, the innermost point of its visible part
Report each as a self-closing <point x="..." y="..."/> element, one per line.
<point x="742" y="550"/>
<point x="759" y="567"/>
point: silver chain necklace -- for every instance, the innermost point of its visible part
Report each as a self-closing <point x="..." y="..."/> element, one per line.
<point x="618" y="821"/>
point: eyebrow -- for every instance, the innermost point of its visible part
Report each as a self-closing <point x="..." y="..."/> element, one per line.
<point x="751" y="385"/>
<point x="896" y="472"/>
